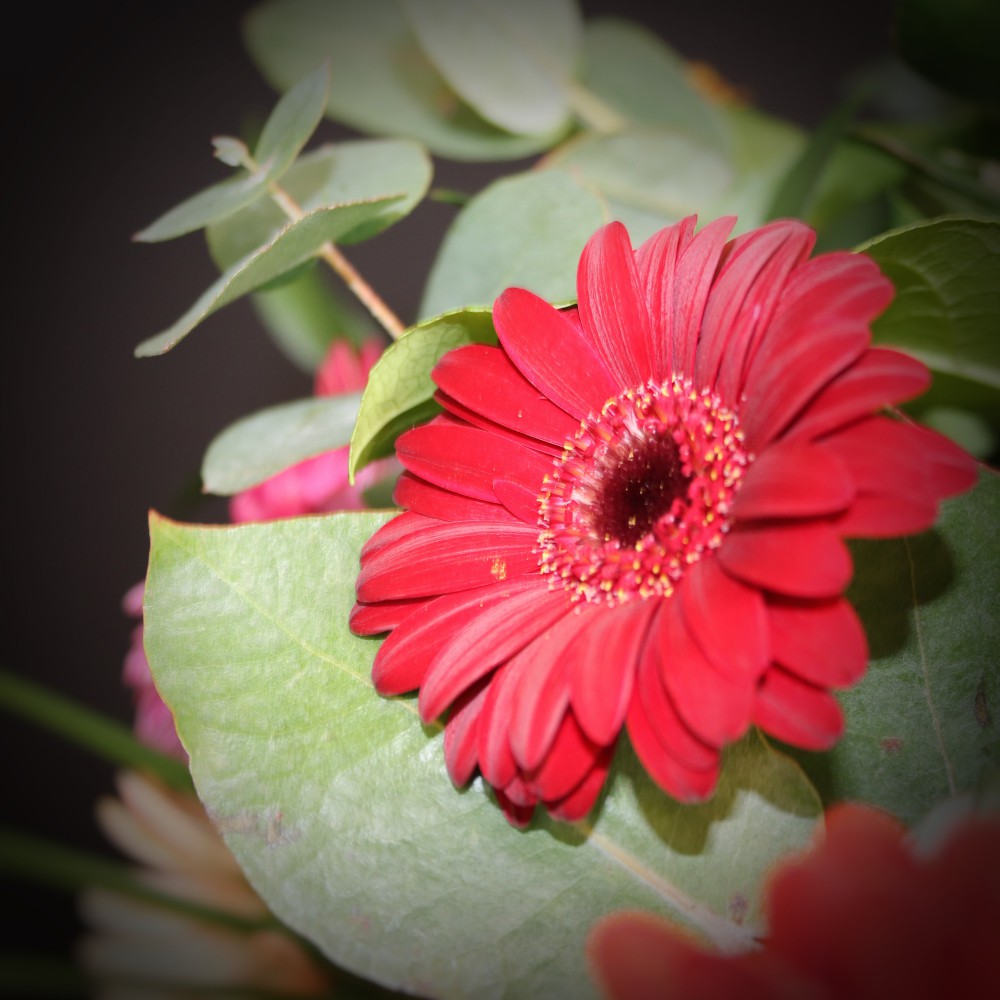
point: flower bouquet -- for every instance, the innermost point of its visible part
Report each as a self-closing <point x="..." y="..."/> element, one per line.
<point x="624" y="622"/>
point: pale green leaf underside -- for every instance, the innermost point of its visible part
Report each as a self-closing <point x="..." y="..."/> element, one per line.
<point x="262" y="444"/>
<point x="527" y="230"/>
<point x="400" y="392"/>
<point x="512" y="62"/>
<point x="947" y="277"/>
<point x="337" y="804"/>
<point x="382" y="82"/>
<point x="297" y="243"/>
<point x="334" y="174"/>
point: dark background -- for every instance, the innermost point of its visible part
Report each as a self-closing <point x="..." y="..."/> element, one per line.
<point x="111" y="108"/>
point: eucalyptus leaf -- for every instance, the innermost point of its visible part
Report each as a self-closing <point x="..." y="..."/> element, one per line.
<point x="399" y="393"/>
<point x="382" y="82"/>
<point x="295" y="244"/>
<point x="650" y="177"/>
<point x="337" y="804"/>
<point x="647" y="83"/>
<point x="333" y="174"/>
<point x="513" y="62"/>
<point x="305" y="315"/>
<point x="286" y="131"/>
<point x="527" y="229"/>
<point x="259" y="446"/>
<point x="947" y="277"/>
<point x="920" y="725"/>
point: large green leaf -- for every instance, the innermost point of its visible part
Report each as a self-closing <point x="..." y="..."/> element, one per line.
<point x="334" y="174"/>
<point x="920" y="725"/>
<point x="650" y="177"/>
<point x="399" y="394"/>
<point x="285" y="132"/>
<point x="297" y="243"/>
<point x="646" y="82"/>
<point x="337" y="804"/>
<point x="513" y="62"/>
<point x="382" y="82"/>
<point x="527" y="230"/>
<point x="262" y="444"/>
<point x="947" y="304"/>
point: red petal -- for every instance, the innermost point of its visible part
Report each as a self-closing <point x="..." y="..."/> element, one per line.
<point x="882" y="516"/>
<point x="574" y="807"/>
<point x="800" y="560"/>
<point x="496" y="760"/>
<point x="743" y="299"/>
<point x="951" y="470"/>
<point x="821" y="642"/>
<point x="602" y="664"/>
<point x="466" y="459"/>
<point x="447" y="557"/>
<point x="424" y="498"/>
<point x="683" y="783"/>
<point x="612" y="306"/>
<point x="656" y="262"/>
<point x="474" y="419"/>
<point x="667" y="725"/>
<point x="392" y="531"/>
<point x="543" y="691"/>
<point x="797" y="712"/>
<point x="484" y="380"/>
<point x="821" y="326"/>
<point x="552" y="353"/>
<point x="570" y="758"/>
<point x="793" y="480"/>
<point x="518" y="499"/>
<point x="461" y="732"/>
<point x="879" y="377"/>
<point x="517" y="813"/>
<point x="695" y="273"/>
<point x="404" y="658"/>
<point x="715" y="707"/>
<point x="480" y="641"/>
<point x="370" y="619"/>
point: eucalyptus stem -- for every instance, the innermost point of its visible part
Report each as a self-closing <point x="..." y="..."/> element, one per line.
<point x="106" y="737"/>
<point x="592" y="112"/>
<point x="367" y="295"/>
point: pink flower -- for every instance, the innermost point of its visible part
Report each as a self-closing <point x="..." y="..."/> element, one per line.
<point x="632" y="513"/>
<point x="320" y="484"/>
<point x="862" y="917"/>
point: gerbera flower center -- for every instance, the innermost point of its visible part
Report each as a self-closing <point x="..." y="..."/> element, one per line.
<point x="641" y="492"/>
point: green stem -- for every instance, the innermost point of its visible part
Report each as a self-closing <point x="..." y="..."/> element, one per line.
<point x="41" y="861"/>
<point x="592" y="111"/>
<point x="106" y="737"/>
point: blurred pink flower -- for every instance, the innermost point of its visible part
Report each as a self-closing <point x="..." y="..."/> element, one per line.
<point x="320" y="484"/>
<point x="864" y="916"/>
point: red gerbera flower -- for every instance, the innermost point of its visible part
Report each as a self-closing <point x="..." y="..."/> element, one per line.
<point x="861" y="916"/>
<point x="632" y="512"/>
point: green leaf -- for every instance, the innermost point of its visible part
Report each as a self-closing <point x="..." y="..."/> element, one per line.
<point x="263" y="444"/>
<point x="512" y="62"/>
<point x="947" y="305"/>
<point x="295" y="244"/>
<point x="400" y="394"/>
<point x="527" y="230"/>
<point x="649" y="177"/>
<point x="920" y="725"/>
<point x="334" y="174"/>
<point x="643" y="79"/>
<point x="305" y="315"/>
<point x="337" y="803"/>
<point x="293" y="120"/>
<point x="382" y="81"/>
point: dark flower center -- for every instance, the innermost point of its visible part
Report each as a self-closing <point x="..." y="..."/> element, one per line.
<point x="640" y="492"/>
